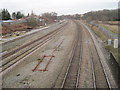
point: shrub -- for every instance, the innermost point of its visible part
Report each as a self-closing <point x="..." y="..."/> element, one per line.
<point x="33" y="22"/>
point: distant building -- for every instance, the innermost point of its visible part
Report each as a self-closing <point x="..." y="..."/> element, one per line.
<point x="16" y="21"/>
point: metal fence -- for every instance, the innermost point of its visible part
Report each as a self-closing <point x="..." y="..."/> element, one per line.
<point x="104" y="30"/>
<point x="9" y="22"/>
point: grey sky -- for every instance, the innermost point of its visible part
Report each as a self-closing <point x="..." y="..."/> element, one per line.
<point x="59" y="6"/>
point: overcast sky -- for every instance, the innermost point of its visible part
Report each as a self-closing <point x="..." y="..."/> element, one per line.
<point x="59" y="6"/>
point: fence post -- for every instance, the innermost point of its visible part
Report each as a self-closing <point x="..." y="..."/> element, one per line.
<point x="109" y="41"/>
<point x="115" y="43"/>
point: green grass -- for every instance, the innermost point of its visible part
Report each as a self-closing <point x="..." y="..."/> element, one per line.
<point x="110" y="48"/>
<point x="100" y="34"/>
<point x="108" y="28"/>
<point x="1" y="41"/>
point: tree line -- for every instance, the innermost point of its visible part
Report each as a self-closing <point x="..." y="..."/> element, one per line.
<point x="5" y="15"/>
<point x="103" y="15"/>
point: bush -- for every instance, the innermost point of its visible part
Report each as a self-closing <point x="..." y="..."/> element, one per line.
<point x="33" y="22"/>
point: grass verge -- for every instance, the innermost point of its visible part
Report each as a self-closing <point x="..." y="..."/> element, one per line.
<point x="110" y="48"/>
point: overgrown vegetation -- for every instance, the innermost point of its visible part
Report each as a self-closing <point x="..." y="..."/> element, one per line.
<point x="33" y="22"/>
<point x="49" y="17"/>
<point x="7" y="29"/>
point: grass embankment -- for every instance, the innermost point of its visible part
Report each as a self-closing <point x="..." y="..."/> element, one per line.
<point x="104" y="38"/>
<point x="99" y="33"/>
<point x="111" y="28"/>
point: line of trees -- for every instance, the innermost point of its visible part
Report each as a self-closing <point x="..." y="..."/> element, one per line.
<point x="17" y="15"/>
<point x="49" y="17"/>
<point x="103" y="15"/>
<point x="5" y="15"/>
<point x="75" y="16"/>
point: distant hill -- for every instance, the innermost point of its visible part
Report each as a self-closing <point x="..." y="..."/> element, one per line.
<point x="103" y="15"/>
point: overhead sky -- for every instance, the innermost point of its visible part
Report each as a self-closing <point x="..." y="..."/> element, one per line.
<point x="59" y="6"/>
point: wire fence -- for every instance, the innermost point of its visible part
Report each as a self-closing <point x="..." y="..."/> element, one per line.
<point x="106" y="32"/>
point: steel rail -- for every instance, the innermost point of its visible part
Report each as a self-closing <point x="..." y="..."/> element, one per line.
<point x="81" y="50"/>
<point x="93" y="71"/>
<point x="92" y="65"/>
<point x="29" y="43"/>
<point x="50" y="37"/>
<point x="71" y="59"/>
<point x="106" y="76"/>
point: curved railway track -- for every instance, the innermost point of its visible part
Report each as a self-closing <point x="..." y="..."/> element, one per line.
<point x="72" y="75"/>
<point x="14" y="56"/>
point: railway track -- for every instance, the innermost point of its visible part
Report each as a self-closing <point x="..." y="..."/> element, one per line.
<point x="14" y="56"/>
<point x="100" y="76"/>
<point x="72" y="75"/>
<point x="99" y="73"/>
